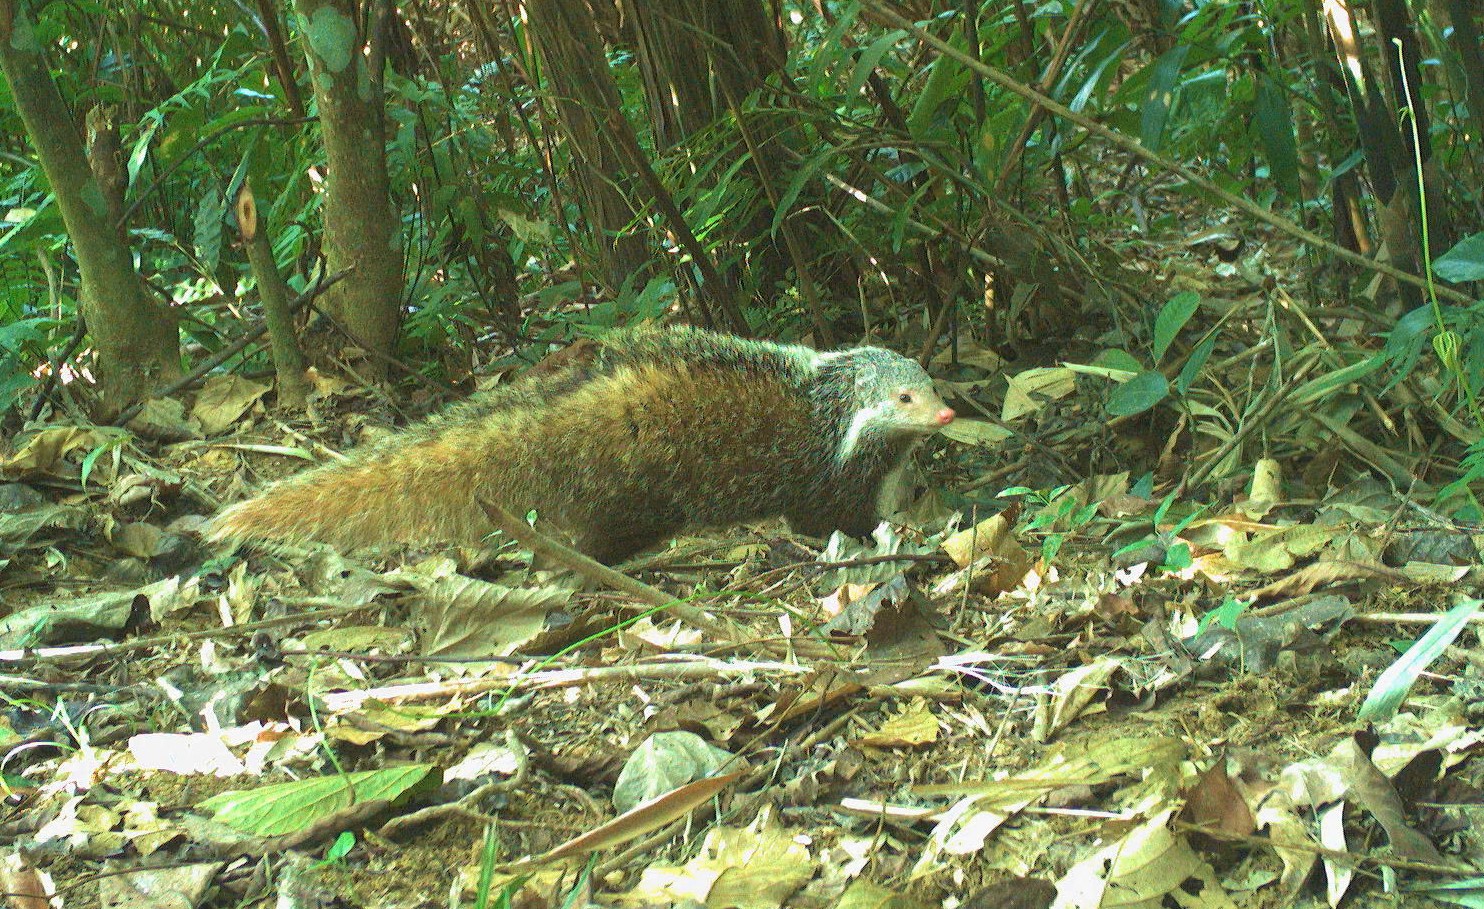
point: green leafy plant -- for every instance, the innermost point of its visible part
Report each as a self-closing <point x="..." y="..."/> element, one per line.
<point x="338" y="850"/>
<point x="1225" y="615"/>
<point x="1148" y="387"/>
<point x="1177" y="556"/>
<point x="1058" y="508"/>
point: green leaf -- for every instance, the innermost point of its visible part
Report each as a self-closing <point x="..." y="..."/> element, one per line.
<point x="1224" y="615"/>
<point x="1192" y="368"/>
<point x="23" y="331"/>
<point x="1050" y="547"/>
<point x="141" y="146"/>
<point x="1462" y="263"/>
<point x="1164" y="508"/>
<point x="287" y="807"/>
<point x="1161" y="97"/>
<point x="109" y="444"/>
<point x="945" y="82"/>
<point x="1392" y="685"/>
<point x="831" y="48"/>
<point x="1116" y="358"/>
<point x="1097" y="64"/>
<point x="1172" y="317"/>
<point x="1315" y="389"/>
<point x="209" y="222"/>
<point x="869" y="59"/>
<point x="1177" y="557"/>
<point x="786" y="201"/>
<point x="900" y="220"/>
<point x="1186" y="521"/>
<point x="1138" y="394"/>
<point x="1274" y="124"/>
<point x="238" y="176"/>
<point x="338" y="850"/>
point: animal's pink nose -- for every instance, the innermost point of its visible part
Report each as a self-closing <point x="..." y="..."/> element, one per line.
<point x="945" y="416"/>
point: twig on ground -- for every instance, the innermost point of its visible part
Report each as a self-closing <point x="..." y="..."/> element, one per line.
<point x="338" y="701"/>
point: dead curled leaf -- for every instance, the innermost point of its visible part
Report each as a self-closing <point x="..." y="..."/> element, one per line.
<point x="1147" y="865"/>
<point x="223" y="399"/>
<point x="1215" y="804"/>
<point x="1347" y="773"/>
<point x="25" y="887"/>
<point x="758" y="867"/>
<point x="1321" y="574"/>
<point x="635" y="823"/>
<point x="915" y="726"/>
<point x="991" y="558"/>
<point x="44" y="451"/>
<point x="1075" y="694"/>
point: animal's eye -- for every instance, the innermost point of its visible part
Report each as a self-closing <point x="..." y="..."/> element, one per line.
<point x="905" y="398"/>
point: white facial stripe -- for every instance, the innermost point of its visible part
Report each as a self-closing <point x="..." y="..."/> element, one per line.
<point x="858" y="424"/>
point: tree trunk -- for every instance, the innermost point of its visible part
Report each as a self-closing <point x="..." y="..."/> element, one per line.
<point x="700" y="61"/>
<point x="585" y="90"/>
<point x="688" y="51"/>
<point x="283" y="64"/>
<point x="362" y="231"/>
<point x="273" y="291"/>
<point x="136" y="338"/>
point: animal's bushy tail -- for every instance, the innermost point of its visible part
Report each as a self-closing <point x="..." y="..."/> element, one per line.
<point x="421" y="491"/>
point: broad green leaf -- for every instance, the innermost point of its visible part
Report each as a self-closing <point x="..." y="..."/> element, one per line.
<point x="1116" y="358"/>
<point x="31" y="227"/>
<point x="786" y="201"/>
<point x="1051" y="546"/>
<point x="1392" y="685"/>
<point x="945" y="82"/>
<point x="209" y="222"/>
<point x="831" y="48"/>
<point x="1095" y="70"/>
<point x="23" y="331"/>
<point x="1156" y="108"/>
<point x="1274" y="124"/>
<point x="287" y="807"/>
<point x="1224" y="615"/>
<point x="1177" y="557"/>
<point x="1172" y="317"/>
<point x="1462" y="263"/>
<point x="869" y="59"/>
<point x="1192" y="368"/>
<point x="1138" y="394"/>
<point x="1315" y="389"/>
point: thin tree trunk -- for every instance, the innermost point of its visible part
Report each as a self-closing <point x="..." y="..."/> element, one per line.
<point x="136" y="338"/>
<point x="688" y="51"/>
<point x="273" y="291"/>
<point x="361" y="228"/>
<point x="283" y="64"/>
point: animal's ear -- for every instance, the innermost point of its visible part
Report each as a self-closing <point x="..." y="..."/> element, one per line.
<point x="866" y="373"/>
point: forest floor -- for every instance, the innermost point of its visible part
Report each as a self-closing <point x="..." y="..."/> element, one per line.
<point x="1209" y="710"/>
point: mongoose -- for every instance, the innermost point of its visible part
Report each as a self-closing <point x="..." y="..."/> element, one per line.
<point x="650" y="432"/>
